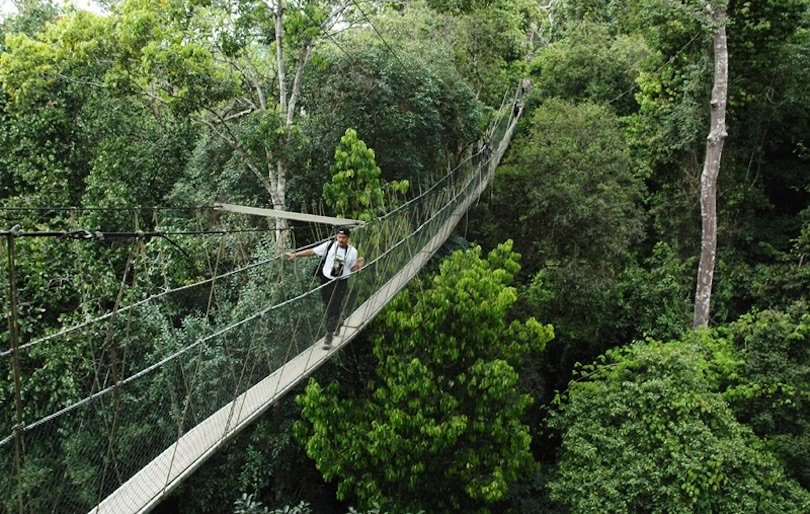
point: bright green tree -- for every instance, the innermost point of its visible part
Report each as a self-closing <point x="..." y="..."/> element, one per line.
<point x="70" y="136"/>
<point x="644" y="429"/>
<point x="438" y="424"/>
<point x="356" y="190"/>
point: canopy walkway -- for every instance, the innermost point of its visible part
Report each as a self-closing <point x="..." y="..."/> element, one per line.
<point x="170" y="382"/>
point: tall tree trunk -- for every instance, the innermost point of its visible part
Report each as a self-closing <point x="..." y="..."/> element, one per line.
<point x="278" y="170"/>
<point x="277" y="164"/>
<point x="711" y="169"/>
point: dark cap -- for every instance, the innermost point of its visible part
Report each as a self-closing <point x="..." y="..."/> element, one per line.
<point x="343" y="230"/>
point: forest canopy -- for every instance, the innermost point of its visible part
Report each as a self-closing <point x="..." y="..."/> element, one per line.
<point x="547" y="359"/>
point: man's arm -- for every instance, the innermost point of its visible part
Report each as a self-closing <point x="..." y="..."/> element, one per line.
<point x="302" y="253"/>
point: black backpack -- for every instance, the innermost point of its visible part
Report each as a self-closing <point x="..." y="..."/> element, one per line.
<point x="319" y="268"/>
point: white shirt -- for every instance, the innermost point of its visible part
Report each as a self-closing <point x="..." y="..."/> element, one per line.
<point x="339" y="259"/>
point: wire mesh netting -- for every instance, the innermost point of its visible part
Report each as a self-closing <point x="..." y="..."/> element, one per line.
<point x="155" y="374"/>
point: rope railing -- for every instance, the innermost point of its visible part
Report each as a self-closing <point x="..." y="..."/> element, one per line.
<point x="172" y="376"/>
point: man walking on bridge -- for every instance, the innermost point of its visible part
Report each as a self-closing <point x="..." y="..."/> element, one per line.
<point x="338" y="260"/>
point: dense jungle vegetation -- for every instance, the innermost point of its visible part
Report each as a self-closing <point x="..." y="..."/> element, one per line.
<point x="546" y="361"/>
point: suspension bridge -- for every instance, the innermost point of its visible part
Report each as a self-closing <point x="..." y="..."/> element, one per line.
<point x="169" y="381"/>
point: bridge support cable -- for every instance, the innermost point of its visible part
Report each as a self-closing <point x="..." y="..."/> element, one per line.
<point x="206" y="359"/>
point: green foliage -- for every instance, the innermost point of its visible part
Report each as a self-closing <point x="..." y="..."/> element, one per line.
<point x="757" y="40"/>
<point x="69" y="127"/>
<point x="760" y="178"/>
<point x="656" y="299"/>
<point x="588" y="63"/>
<point x="485" y="39"/>
<point x="438" y="425"/>
<point x="458" y="6"/>
<point x="772" y="390"/>
<point x="563" y="293"/>
<point x="31" y="17"/>
<point x="44" y="155"/>
<point x="356" y="190"/>
<point x="33" y="68"/>
<point x="644" y="429"/>
<point x="248" y="505"/>
<point x="216" y="172"/>
<point x="489" y="46"/>
<point x="163" y="54"/>
<point x="138" y="150"/>
<point x="770" y="45"/>
<point x="788" y="278"/>
<point x="376" y="510"/>
<point x="418" y="116"/>
<point x="572" y="176"/>
<point x="253" y="25"/>
<point x="304" y="23"/>
<point x="101" y="111"/>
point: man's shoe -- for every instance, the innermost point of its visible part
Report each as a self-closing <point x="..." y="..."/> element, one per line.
<point x="327" y="341"/>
